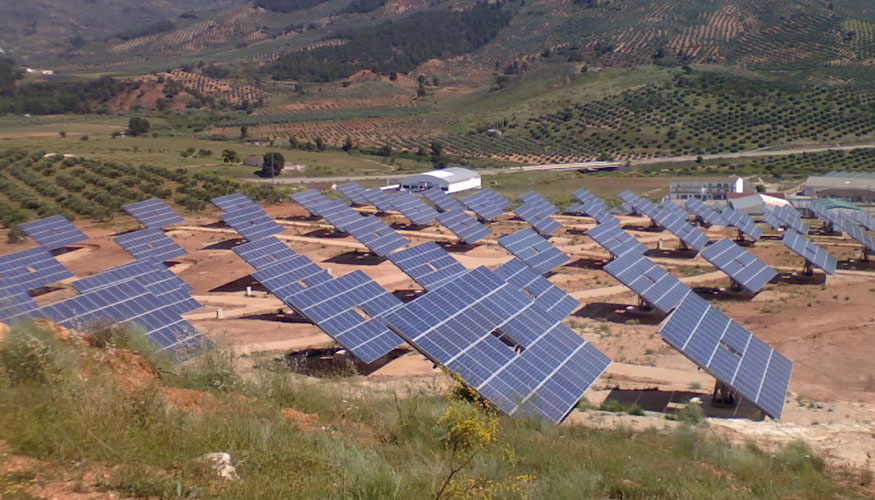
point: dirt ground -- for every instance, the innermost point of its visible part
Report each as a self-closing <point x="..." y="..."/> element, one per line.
<point x="825" y="327"/>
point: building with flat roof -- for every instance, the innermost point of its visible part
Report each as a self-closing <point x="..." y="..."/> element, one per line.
<point x="450" y="180"/>
<point x="853" y="186"/>
<point x="705" y="188"/>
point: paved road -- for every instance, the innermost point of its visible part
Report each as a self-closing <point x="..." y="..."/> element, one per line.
<point x="757" y="153"/>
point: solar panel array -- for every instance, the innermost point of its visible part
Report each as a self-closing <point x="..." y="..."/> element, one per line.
<point x="592" y="206"/>
<point x="150" y="244"/>
<point x="428" y="264"/>
<point x="167" y="287"/>
<point x="613" y="239"/>
<point x="844" y="222"/>
<point x="785" y="216"/>
<point x="813" y="254"/>
<point x="652" y="283"/>
<point x="28" y="270"/>
<point x="676" y="223"/>
<point x="442" y="200"/>
<point x="486" y="203"/>
<point x="536" y="210"/>
<point x="742" y="222"/>
<point x="15" y="304"/>
<point x="668" y="204"/>
<point x="53" y="233"/>
<point x="335" y="212"/>
<point x="290" y="276"/>
<point x="639" y="205"/>
<point x="467" y="228"/>
<point x="547" y="295"/>
<point x="153" y="213"/>
<point x="412" y="207"/>
<point x="833" y="219"/>
<point x="380" y="199"/>
<point x="354" y="192"/>
<point x="745" y="269"/>
<point x="772" y="219"/>
<point x="264" y="253"/>
<point x="503" y="345"/>
<point x="246" y="217"/>
<point x="704" y="212"/>
<point x="534" y="250"/>
<point x="730" y="353"/>
<point x="373" y="233"/>
<point x="865" y="220"/>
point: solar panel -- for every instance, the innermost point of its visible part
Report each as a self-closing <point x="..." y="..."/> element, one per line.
<point x="547" y="295"/>
<point x="246" y="217"/>
<point x="613" y="239"/>
<point x="639" y="205"/>
<point x="865" y="220"/>
<point x="338" y="214"/>
<point x="597" y="209"/>
<point x="150" y="244"/>
<point x="15" y="304"/>
<point x="264" y="253"/>
<point x="376" y="235"/>
<point x="351" y="309"/>
<point x="442" y="200"/>
<point x="428" y="264"/>
<point x="536" y="210"/>
<point x="678" y="225"/>
<point x="583" y="195"/>
<point x="486" y="203"/>
<point x="813" y="254"/>
<point x="412" y="207"/>
<point x="28" y="270"/>
<point x="772" y="219"/>
<point x="531" y="248"/>
<point x="668" y="204"/>
<point x="354" y="192"/>
<point x="742" y="222"/>
<point x="785" y="216"/>
<point x="54" y="232"/>
<point x="153" y="213"/>
<point x="831" y="218"/>
<point x="467" y="228"/>
<point x="745" y="269"/>
<point x="730" y="353"/>
<point x="858" y="234"/>
<point x="380" y="199"/>
<point x="704" y="212"/>
<point x="309" y="198"/>
<point x="503" y="345"/>
<point x="161" y="282"/>
<point x="652" y="283"/>
<point x="290" y="276"/>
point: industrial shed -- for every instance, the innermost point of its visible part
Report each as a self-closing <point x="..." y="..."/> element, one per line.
<point x="853" y="186"/>
<point x="450" y="180"/>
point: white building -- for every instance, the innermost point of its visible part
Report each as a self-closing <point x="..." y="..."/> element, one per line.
<point x="705" y="188"/>
<point x="450" y="180"/>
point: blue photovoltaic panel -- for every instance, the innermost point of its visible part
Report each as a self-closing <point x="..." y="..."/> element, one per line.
<point x="785" y="216"/>
<point x="704" y="212"/>
<point x="677" y="224"/>
<point x="335" y="212"/>
<point x="486" y="203"/>
<point x="583" y="195"/>
<point x="613" y="239"/>
<point x="536" y="210"/>
<point x="813" y="254"/>
<point x="639" y="205"/>
<point x="865" y="220"/>
<point x="547" y="295"/>
<point x="772" y="219"/>
<point x="668" y="204"/>
<point x="264" y="253"/>
<point x="513" y="353"/>
<point x="730" y="353"/>
<point x="742" y="222"/>
<point x="531" y="248"/>
<point x="546" y="225"/>
<point x="15" y="304"/>
<point x="354" y="192"/>
<point x="373" y="233"/>
<point x="150" y="244"/>
<point x="290" y="276"/>
<point x="54" y="232"/>
<point x="351" y="309"/>
<point x="442" y="200"/>
<point x="412" y="207"/>
<point x="28" y="270"/>
<point x="161" y="282"/>
<point x="831" y="218"/>
<point x="467" y="228"/>
<point x="308" y="198"/>
<point x="382" y="200"/>
<point x="428" y="264"/>
<point x="652" y="283"/>
<point x="595" y="208"/>
<point x="153" y="213"/>
<point x="745" y="269"/>
<point x="246" y="217"/>
<point x="858" y="234"/>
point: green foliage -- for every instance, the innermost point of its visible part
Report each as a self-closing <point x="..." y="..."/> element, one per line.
<point x="273" y="164"/>
<point x="31" y="354"/>
<point x="286" y="5"/>
<point x="152" y="29"/>
<point x="363" y="6"/>
<point x="230" y="156"/>
<point x="138" y="126"/>
<point x="614" y="406"/>
<point x="9" y="73"/>
<point x="53" y="97"/>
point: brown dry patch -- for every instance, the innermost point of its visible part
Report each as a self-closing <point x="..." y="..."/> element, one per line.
<point x="191" y="400"/>
<point x="304" y="421"/>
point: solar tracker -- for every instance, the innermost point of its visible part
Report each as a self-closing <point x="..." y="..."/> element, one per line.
<point x="442" y="200"/>
<point x="536" y="210"/>
<point x="596" y="209"/>
<point x="832" y="219"/>
<point x="354" y="192"/>
<point x="639" y="205"/>
<point x="335" y="212"/>
<point x="503" y="345"/>
<point x="150" y="244"/>
<point x="350" y="309"/>
<point x="53" y="233"/>
<point x="412" y="207"/>
<point x="309" y="198"/>
<point x="730" y="353"/>
<point x="742" y="222"/>
<point x="547" y="295"/>
<point x="785" y="216"/>
<point x="153" y="213"/>
<point x="28" y="270"/>
<point x="376" y="235"/>
<point x="583" y="195"/>
<point x="859" y="235"/>
<point x="264" y="253"/>
<point x="486" y="203"/>
<point x="865" y="220"/>
<point x="380" y="199"/>
<point x="290" y="276"/>
<point x="613" y="239"/>
<point x="15" y="304"/>
<point x="467" y="228"/>
<point x="813" y="254"/>
<point x="772" y="219"/>
<point x="161" y="282"/>
<point x="678" y="225"/>
<point x="652" y="283"/>
<point x="246" y="217"/>
<point x="533" y="249"/>
<point x="705" y="213"/>
<point x="428" y="264"/>
<point x="668" y="204"/>
<point x="746" y="270"/>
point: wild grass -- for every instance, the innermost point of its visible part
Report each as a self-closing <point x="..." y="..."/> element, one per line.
<point x="60" y="406"/>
